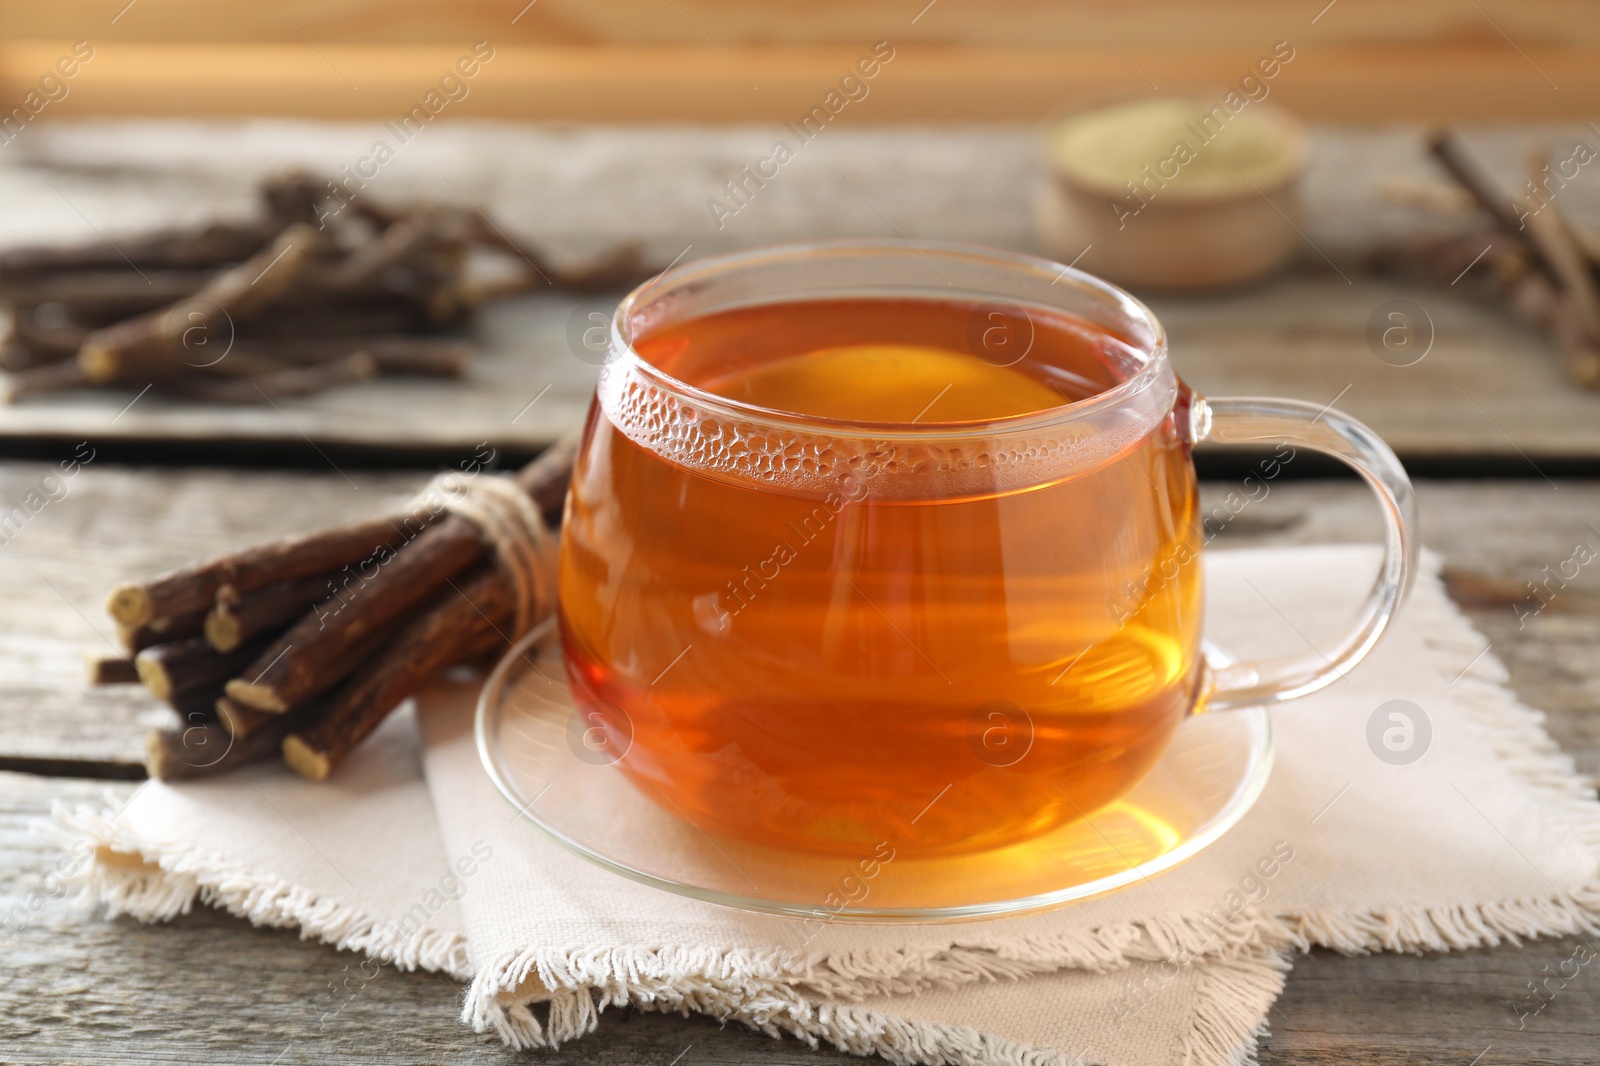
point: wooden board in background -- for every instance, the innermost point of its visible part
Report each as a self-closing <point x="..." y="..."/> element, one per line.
<point x="1488" y="387"/>
<point x="1446" y="81"/>
<point x="715" y="61"/>
<point x="1128" y="23"/>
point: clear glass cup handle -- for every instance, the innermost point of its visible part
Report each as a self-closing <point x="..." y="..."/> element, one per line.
<point x="1248" y="420"/>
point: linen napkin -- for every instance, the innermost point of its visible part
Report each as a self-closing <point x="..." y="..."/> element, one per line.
<point x="1468" y="828"/>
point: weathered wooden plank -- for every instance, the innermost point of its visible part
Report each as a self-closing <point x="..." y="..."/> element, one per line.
<point x="1403" y="1010"/>
<point x="1488" y="385"/>
<point x="578" y="191"/>
<point x="209" y="988"/>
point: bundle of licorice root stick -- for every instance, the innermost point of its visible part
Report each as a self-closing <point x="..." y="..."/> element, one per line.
<point x="302" y="646"/>
<point x="305" y="297"/>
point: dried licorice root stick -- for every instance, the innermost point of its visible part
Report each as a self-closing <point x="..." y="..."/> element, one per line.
<point x="313" y="655"/>
<point x="47" y="334"/>
<point x="154" y="343"/>
<point x="185" y="668"/>
<point x="162" y="630"/>
<point x="291" y="381"/>
<point x="394" y="354"/>
<point x="204" y="749"/>
<point x="1551" y="234"/>
<point x="461" y="625"/>
<point x="238" y="616"/>
<point x="98" y="295"/>
<point x="101" y="669"/>
<point x="193" y="588"/>
<point x="241" y="721"/>
<point x="1448" y="149"/>
<point x="399" y="242"/>
<point x="382" y="678"/>
<point x="216" y="245"/>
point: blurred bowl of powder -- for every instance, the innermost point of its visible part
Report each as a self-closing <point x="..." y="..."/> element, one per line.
<point x="1183" y="192"/>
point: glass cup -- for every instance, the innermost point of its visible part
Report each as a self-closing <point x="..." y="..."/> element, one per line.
<point x="820" y="634"/>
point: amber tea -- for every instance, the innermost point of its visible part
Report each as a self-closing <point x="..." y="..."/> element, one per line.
<point x="804" y="663"/>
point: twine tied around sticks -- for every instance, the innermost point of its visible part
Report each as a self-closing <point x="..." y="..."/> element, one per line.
<point x="524" y="548"/>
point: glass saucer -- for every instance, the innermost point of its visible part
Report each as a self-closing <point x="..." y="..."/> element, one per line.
<point x="536" y="748"/>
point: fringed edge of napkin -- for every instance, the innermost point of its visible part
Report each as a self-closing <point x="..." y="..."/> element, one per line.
<point x="1228" y="1018"/>
<point x="156" y="881"/>
<point x="1516" y="734"/>
<point x="1235" y="998"/>
<point x="576" y="986"/>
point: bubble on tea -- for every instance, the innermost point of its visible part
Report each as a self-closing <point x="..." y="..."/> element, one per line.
<point x="791" y="453"/>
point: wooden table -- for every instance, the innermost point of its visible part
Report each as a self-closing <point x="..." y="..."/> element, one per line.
<point x="210" y="988"/>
